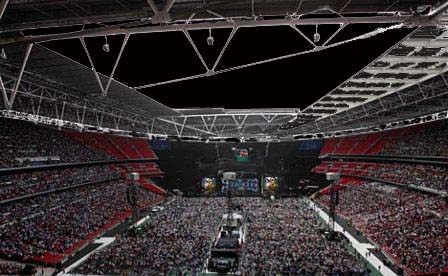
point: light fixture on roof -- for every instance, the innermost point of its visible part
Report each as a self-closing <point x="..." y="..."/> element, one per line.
<point x="106" y="47"/>
<point x="210" y="39"/>
<point x="316" y="36"/>
<point x="3" y="54"/>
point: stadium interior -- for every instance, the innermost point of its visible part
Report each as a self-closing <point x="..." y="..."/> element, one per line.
<point x="322" y="149"/>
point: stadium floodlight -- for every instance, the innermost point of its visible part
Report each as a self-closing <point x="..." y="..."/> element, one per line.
<point x="229" y="175"/>
<point x="333" y="176"/>
<point x="316" y="36"/>
<point x="106" y="46"/>
<point x="133" y="176"/>
<point x="210" y="39"/>
<point x="3" y="54"/>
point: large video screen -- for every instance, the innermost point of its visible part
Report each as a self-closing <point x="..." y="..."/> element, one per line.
<point x="270" y="184"/>
<point x="243" y="186"/>
<point x="208" y="184"/>
<point x="242" y="155"/>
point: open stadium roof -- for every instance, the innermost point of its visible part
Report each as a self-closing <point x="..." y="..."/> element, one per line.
<point x="406" y="81"/>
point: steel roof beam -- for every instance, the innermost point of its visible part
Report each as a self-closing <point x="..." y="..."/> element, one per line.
<point x="398" y="59"/>
<point x="382" y="80"/>
<point x="354" y="88"/>
<point x="213" y="23"/>
<point x="404" y="70"/>
<point x="3" y="5"/>
<point x="364" y="97"/>
<point x="432" y="43"/>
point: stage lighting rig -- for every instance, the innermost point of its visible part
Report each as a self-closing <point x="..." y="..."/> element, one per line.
<point x="210" y="39"/>
<point x="316" y="36"/>
<point x="3" y="54"/>
<point x="106" y="46"/>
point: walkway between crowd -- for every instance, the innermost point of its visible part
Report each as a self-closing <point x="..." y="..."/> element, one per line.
<point x="361" y="248"/>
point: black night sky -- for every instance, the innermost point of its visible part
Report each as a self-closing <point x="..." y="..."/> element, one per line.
<point x="294" y="83"/>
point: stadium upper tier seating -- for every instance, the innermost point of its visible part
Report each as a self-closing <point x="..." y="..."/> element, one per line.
<point x="25" y="143"/>
<point x="116" y="146"/>
<point x="409" y="225"/>
<point x="422" y="140"/>
<point x="124" y="148"/>
<point x="280" y="242"/>
<point x="50" y="227"/>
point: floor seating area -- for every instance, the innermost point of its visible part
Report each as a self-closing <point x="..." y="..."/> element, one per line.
<point x="177" y="241"/>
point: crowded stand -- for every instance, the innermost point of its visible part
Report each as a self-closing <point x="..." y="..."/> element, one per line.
<point x="177" y="240"/>
<point x="17" y="185"/>
<point x="284" y="238"/>
<point x="429" y="176"/>
<point x="122" y="148"/>
<point x="421" y="140"/>
<point x="49" y="227"/>
<point x="116" y="146"/>
<point x="25" y="143"/>
<point x="408" y="225"/>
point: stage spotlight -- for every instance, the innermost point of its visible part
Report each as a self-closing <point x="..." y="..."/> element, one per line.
<point x="210" y="39"/>
<point x="316" y="36"/>
<point x="106" y="47"/>
<point x="3" y="54"/>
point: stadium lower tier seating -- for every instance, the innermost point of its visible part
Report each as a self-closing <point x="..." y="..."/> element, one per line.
<point x="429" y="176"/>
<point x="279" y="242"/>
<point x="17" y="185"/>
<point x="410" y="226"/>
<point x="50" y="227"/>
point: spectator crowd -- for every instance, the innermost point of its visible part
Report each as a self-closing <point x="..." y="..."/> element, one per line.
<point x="7" y="268"/>
<point x="176" y="240"/>
<point x="52" y="224"/>
<point x="423" y="175"/>
<point x="430" y="176"/>
<point x="408" y="225"/>
<point x="16" y="185"/>
<point x="286" y="238"/>
<point x="425" y="140"/>
<point x="283" y="239"/>
<point x="24" y="143"/>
